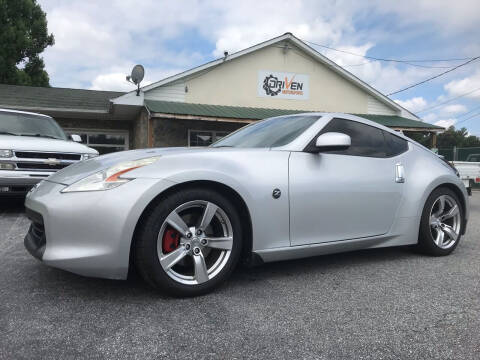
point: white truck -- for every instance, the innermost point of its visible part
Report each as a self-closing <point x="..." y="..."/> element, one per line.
<point x="469" y="171"/>
<point x="32" y="147"/>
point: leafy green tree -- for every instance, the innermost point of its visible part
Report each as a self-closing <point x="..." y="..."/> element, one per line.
<point x="459" y="138"/>
<point x="420" y="137"/>
<point x="23" y="37"/>
<point x="448" y="139"/>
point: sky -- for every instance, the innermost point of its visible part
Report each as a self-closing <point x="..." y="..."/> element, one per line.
<point x="97" y="43"/>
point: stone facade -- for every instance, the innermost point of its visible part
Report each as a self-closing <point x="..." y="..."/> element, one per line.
<point x="174" y="132"/>
<point x="140" y="131"/>
<point x="166" y="132"/>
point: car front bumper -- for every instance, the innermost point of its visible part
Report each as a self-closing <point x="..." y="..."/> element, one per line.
<point x="87" y="233"/>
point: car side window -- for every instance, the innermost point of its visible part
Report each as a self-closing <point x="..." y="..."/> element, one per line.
<point x="366" y="140"/>
<point x="395" y="145"/>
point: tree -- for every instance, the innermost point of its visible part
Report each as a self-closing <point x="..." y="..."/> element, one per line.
<point x="448" y="139"/>
<point x="23" y="37"/>
<point x="420" y="137"/>
<point x="459" y="138"/>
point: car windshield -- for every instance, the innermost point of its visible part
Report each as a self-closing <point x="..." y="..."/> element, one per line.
<point x="30" y="125"/>
<point x="273" y="132"/>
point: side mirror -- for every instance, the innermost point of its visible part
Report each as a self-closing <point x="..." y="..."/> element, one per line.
<point x="331" y="141"/>
<point x="76" y="138"/>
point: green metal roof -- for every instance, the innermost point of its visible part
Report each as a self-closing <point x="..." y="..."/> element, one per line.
<point x="32" y="97"/>
<point x="398" y="121"/>
<point x="250" y="113"/>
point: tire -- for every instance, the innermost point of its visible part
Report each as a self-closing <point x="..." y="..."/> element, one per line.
<point x="209" y="250"/>
<point x="448" y="221"/>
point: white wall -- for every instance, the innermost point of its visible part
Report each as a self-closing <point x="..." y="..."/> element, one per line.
<point x="234" y="83"/>
<point x="170" y="92"/>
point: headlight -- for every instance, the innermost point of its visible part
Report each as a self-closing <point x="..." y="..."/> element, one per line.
<point x="88" y="156"/>
<point x="7" y="166"/>
<point x="109" y="178"/>
<point x="6" y="153"/>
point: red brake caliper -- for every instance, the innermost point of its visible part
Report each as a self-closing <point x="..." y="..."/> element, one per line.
<point x="170" y="241"/>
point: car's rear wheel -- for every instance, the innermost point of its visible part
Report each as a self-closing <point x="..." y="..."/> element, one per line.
<point x="189" y="242"/>
<point x="441" y="224"/>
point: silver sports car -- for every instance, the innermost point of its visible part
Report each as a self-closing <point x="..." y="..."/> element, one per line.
<point x="282" y="188"/>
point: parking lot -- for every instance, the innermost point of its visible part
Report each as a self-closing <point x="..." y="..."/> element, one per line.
<point x="375" y="304"/>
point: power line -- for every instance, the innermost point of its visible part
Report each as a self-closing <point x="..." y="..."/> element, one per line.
<point x="407" y="63"/>
<point x="434" y="77"/>
<point x="447" y="101"/>
<point x="468" y="112"/>
<point x="474" y="115"/>
<point x="429" y="66"/>
<point x="385" y="59"/>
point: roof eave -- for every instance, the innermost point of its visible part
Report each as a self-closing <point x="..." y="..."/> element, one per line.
<point x="39" y="108"/>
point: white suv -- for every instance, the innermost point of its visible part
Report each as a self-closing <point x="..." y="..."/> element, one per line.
<point x="32" y="147"/>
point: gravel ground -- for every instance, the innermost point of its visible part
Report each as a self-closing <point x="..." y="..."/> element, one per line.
<point x="375" y="304"/>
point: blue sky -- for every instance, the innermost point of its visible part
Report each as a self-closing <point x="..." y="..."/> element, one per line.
<point x="96" y="45"/>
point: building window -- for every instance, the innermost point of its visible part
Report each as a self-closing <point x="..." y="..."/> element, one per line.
<point x="204" y="138"/>
<point x="103" y="141"/>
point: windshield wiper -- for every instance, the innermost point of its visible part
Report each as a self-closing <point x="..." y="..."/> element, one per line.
<point x="220" y="146"/>
<point x="40" y="135"/>
<point x="7" y="133"/>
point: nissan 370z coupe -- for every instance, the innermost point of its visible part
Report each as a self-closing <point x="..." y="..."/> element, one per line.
<point x="283" y="188"/>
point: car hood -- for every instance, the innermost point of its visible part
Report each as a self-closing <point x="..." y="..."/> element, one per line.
<point x="80" y="170"/>
<point x="34" y="143"/>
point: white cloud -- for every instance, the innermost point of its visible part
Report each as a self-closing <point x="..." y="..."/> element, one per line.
<point x="94" y="47"/>
<point x="446" y="123"/>
<point x="113" y="81"/>
<point x="414" y="104"/>
<point x="95" y="44"/>
<point x="116" y="81"/>
<point x="445" y="15"/>
<point x="431" y="117"/>
<point x="454" y="109"/>
<point x="465" y="85"/>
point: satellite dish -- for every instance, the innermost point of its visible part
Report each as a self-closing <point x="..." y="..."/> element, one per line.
<point x="138" y="72"/>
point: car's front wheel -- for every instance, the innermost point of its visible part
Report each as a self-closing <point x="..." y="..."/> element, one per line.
<point x="441" y="223"/>
<point x="189" y="242"/>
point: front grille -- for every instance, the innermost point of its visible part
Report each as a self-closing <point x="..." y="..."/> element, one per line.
<point x="38" y="232"/>
<point x="39" y="166"/>
<point x="35" y="240"/>
<point x="46" y="155"/>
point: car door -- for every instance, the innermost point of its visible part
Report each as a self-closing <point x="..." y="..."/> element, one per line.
<point x="347" y="194"/>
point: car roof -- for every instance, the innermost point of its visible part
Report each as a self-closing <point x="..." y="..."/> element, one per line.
<point x="22" y="112"/>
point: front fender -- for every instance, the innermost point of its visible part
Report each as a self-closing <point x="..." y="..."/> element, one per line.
<point x="252" y="173"/>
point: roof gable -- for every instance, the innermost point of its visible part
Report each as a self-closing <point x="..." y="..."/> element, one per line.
<point x="285" y="37"/>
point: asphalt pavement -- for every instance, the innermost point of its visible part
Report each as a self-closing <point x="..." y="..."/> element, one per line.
<point x="373" y="304"/>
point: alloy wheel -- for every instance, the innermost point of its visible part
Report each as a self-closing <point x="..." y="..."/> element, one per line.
<point x="445" y="221"/>
<point x="195" y="242"/>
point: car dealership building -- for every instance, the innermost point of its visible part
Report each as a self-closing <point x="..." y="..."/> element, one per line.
<point x="196" y="107"/>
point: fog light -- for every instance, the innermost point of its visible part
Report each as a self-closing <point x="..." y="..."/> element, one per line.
<point x="7" y="166"/>
<point x="6" y="153"/>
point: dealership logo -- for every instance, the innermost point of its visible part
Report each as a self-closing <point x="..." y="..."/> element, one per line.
<point x="282" y="85"/>
<point x="274" y="86"/>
